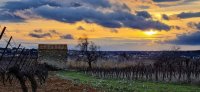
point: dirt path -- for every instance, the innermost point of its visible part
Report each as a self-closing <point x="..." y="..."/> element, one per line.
<point x="53" y="84"/>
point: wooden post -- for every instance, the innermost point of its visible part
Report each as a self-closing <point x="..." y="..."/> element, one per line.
<point x="28" y="58"/>
<point x="24" y="57"/>
<point x="20" y="55"/>
<point x="5" y="48"/>
<point x="4" y="29"/>
<point x="3" y="74"/>
<point x="13" y="56"/>
<point x="20" y="59"/>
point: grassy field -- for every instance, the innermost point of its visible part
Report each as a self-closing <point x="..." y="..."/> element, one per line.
<point x="117" y="85"/>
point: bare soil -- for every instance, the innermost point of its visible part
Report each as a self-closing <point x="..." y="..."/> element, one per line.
<point x="53" y="84"/>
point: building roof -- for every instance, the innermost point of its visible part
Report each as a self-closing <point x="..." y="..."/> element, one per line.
<point x="52" y="46"/>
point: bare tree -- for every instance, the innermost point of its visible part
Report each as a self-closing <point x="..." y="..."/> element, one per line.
<point x="88" y="51"/>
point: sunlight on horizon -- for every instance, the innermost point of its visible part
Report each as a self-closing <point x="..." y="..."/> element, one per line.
<point x="151" y="32"/>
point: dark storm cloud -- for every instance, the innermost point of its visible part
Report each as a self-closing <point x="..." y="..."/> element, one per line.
<point x="43" y="35"/>
<point x="76" y="4"/>
<point x="187" y="39"/>
<point x="102" y="3"/>
<point x="91" y="11"/>
<point x="67" y="36"/>
<point x="188" y="14"/>
<point x="10" y="17"/>
<point x="26" y="4"/>
<point x="144" y="14"/>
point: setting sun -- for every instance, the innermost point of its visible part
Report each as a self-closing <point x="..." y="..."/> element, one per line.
<point x="151" y="32"/>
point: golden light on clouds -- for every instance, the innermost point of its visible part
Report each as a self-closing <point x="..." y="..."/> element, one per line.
<point x="128" y="32"/>
<point x="151" y="32"/>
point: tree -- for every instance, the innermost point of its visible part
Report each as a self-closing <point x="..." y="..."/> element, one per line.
<point x="88" y="51"/>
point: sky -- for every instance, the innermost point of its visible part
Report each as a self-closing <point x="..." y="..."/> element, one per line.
<point x="114" y="25"/>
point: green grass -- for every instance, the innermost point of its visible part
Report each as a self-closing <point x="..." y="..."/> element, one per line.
<point x="117" y="85"/>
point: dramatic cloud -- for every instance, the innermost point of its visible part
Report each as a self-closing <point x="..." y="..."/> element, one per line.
<point x="101" y="12"/>
<point x="67" y="36"/>
<point x="101" y="3"/>
<point x="144" y="14"/>
<point x="27" y="4"/>
<point x="189" y="14"/>
<point x="44" y="35"/>
<point x="115" y="19"/>
<point x="39" y="33"/>
<point x="10" y="17"/>
<point x="187" y="39"/>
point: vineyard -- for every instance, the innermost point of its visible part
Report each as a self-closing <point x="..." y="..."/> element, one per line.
<point x="168" y="67"/>
<point x="18" y="64"/>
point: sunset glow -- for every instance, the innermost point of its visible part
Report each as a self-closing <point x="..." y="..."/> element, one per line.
<point x="107" y="45"/>
<point x="112" y="24"/>
<point x="151" y="32"/>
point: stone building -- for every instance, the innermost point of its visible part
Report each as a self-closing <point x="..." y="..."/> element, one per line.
<point x="53" y="54"/>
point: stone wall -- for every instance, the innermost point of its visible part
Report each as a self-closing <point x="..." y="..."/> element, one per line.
<point x="53" y="54"/>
